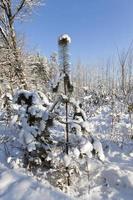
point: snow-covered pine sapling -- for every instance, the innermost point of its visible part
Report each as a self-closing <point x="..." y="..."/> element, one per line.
<point x="63" y="42"/>
<point x="34" y="135"/>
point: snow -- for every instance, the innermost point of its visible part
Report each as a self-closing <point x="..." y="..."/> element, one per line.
<point x="38" y="111"/>
<point x="65" y="36"/>
<point x="99" y="150"/>
<point x="8" y="95"/>
<point x="67" y="160"/>
<point x="37" y="97"/>
<point x="87" y="126"/>
<point x="110" y="177"/>
<point x="76" y="152"/>
<point x="27" y="139"/>
<point x="76" y="128"/>
<point x="44" y="98"/>
<point x="15" y="185"/>
<point x="86" y="147"/>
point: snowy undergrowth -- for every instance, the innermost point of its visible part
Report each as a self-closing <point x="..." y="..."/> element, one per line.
<point x="16" y="185"/>
<point x="114" y="179"/>
<point x="111" y="179"/>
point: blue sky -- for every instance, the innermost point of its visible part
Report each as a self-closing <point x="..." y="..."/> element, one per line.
<point x="97" y="27"/>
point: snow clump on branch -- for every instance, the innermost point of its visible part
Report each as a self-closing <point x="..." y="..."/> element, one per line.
<point x="65" y="37"/>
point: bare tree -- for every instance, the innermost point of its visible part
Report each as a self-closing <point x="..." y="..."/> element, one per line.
<point x="10" y="11"/>
<point x="123" y="57"/>
<point x="130" y="73"/>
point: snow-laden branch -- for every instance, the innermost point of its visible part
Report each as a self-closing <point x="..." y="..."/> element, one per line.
<point x="4" y="35"/>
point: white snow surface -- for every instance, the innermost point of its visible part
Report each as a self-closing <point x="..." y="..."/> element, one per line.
<point x="108" y="180"/>
<point x="15" y="185"/>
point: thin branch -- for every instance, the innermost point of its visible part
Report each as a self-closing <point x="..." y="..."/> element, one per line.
<point x="18" y="9"/>
<point x="3" y="22"/>
<point x="4" y="35"/>
<point x="4" y="6"/>
<point x="9" y="10"/>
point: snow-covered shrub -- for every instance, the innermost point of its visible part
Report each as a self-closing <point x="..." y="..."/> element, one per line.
<point x="87" y="144"/>
<point x="94" y="99"/>
<point x="35" y="120"/>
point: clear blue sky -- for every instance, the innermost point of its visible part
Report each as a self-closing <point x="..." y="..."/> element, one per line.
<point x="96" y="27"/>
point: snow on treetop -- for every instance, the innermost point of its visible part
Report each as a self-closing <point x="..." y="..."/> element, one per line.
<point x="65" y="37"/>
<point x="31" y="97"/>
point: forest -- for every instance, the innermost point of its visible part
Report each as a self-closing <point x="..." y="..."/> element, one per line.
<point x="66" y="130"/>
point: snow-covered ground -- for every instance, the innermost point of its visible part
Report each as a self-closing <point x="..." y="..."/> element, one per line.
<point x="15" y="182"/>
<point x="15" y="185"/>
<point x="108" y="180"/>
<point x="112" y="179"/>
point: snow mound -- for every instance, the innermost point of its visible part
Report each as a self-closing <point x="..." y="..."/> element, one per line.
<point x="14" y="185"/>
